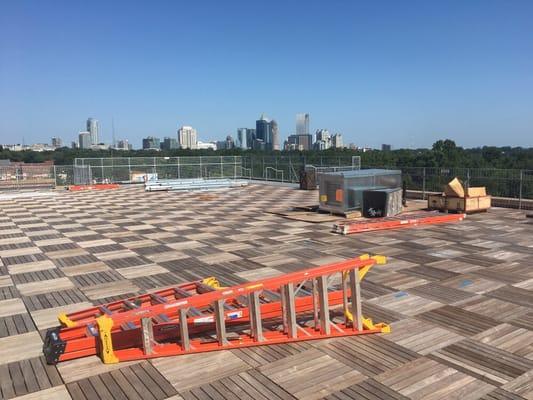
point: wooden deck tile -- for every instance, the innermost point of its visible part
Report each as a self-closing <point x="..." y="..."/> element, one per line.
<point x="427" y="379"/>
<point x="311" y="374"/>
<point x="458" y="320"/>
<point x="20" y="347"/>
<point x="33" y="288"/>
<point x="421" y="337"/>
<point x="139" y="381"/>
<point x="484" y="362"/>
<point x="117" y="288"/>
<point x="510" y="338"/>
<point x="189" y="371"/>
<point x="11" y="307"/>
<point x="47" y="318"/>
<point x="82" y="368"/>
<point x="405" y="303"/>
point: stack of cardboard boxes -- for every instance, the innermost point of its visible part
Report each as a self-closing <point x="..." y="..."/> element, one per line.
<point x="458" y="199"/>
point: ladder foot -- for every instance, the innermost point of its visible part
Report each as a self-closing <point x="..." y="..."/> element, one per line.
<point x="53" y="346"/>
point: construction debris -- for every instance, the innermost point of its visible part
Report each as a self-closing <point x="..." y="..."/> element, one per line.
<point x="191" y="184"/>
<point x="407" y="220"/>
<point x="202" y="316"/>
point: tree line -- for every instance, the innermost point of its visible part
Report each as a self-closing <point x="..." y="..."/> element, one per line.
<point x="443" y="153"/>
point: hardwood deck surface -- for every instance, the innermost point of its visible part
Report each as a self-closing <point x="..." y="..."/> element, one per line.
<point x="459" y="297"/>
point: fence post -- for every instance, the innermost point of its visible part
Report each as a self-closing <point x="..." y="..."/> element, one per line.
<point x="424" y="183"/>
<point x="201" y="175"/>
<point x="467" y="178"/>
<point x="102" y="166"/>
<point x="221" y="168"/>
<point x="179" y="175"/>
<point x="55" y="176"/>
<point x="520" y="194"/>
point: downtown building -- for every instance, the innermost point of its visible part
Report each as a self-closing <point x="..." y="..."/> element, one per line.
<point x="169" y="143"/>
<point x="187" y="137"/>
<point x="151" y="143"/>
<point x="93" y="127"/>
<point x="84" y="140"/>
<point x="266" y="134"/>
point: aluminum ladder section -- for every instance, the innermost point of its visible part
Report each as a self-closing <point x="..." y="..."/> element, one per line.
<point x="402" y="221"/>
<point x="292" y="307"/>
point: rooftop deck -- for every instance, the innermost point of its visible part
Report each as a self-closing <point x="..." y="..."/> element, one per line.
<point x="459" y="297"/>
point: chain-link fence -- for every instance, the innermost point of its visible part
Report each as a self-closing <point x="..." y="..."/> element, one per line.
<point x="516" y="185"/>
<point x="287" y="168"/>
<point x="135" y="169"/>
<point x="26" y="176"/>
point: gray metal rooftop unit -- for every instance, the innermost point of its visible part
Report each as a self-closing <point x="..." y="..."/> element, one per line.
<point x="341" y="192"/>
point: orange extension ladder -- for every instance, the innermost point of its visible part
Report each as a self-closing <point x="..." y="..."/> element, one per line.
<point x="402" y="221"/>
<point x="293" y="307"/>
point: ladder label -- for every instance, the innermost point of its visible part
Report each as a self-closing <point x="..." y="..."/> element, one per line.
<point x="173" y="305"/>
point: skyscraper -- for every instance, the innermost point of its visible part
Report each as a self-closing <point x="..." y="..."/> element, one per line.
<point x="322" y="139"/>
<point x="302" y="124"/>
<point x="57" y="142"/>
<point x="263" y="134"/>
<point x="93" y="128"/>
<point x="242" y="137"/>
<point x="250" y="137"/>
<point x="336" y="141"/>
<point x="84" y="140"/>
<point x="151" y="143"/>
<point x="299" y="142"/>
<point x="169" y="144"/>
<point x="187" y="137"/>
<point x="275" y="135"/>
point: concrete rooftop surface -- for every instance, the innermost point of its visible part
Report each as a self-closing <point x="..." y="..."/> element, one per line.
<point x="459" y="297"/>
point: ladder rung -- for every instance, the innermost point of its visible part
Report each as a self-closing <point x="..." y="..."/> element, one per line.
<point x="161" y="318"/>
<point x="130" y="305"/>
<point x="158" y="298"/>
<point x="128" y="326"/>
<point x="105" y="310"/>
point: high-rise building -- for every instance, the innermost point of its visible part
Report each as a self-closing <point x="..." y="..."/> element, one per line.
<point x="336" y="141"/>
<point x="151" y="143"/>
<point x="323" y="139"/>
<point x="93" y="128"/>
<point x="302" y="124"/>
<point x="263" y="134"/>
<point x="242" y="138"/>
<point x="187" y="137"/>
<point x="300" y="142"/>
<point x="123" y="145"/>
<point x="74" y="144"/>
<point x="84" y="140"/>
<point x="386" y="147"/>
<point x="275" y="135"/>
<point x="250" y="137"/>
<point x="57" y="142"/>
<point x="169" y="144"/>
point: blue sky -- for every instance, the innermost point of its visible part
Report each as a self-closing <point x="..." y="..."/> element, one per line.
<point x="406" y="73"/>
